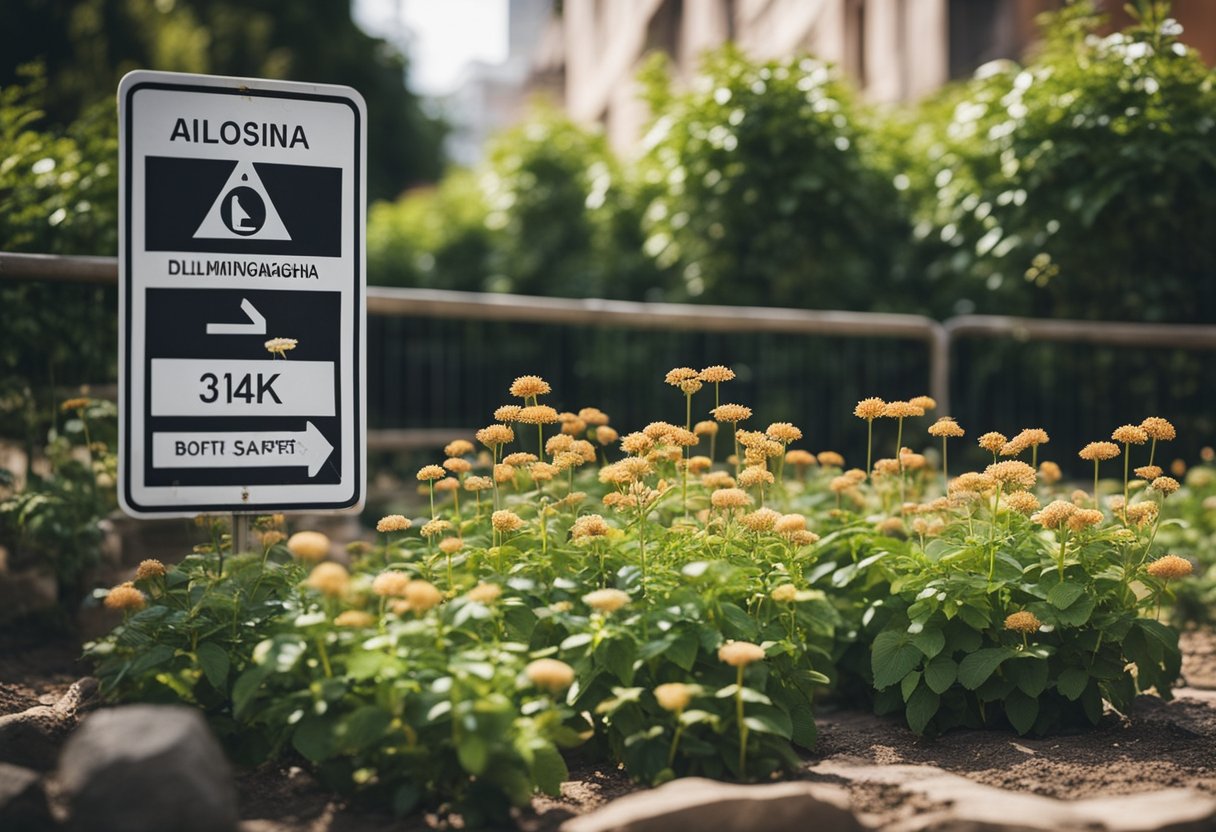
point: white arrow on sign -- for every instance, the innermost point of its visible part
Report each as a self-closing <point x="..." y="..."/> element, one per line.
<point x="256" y="325"/>
<point x="238" y="449"/>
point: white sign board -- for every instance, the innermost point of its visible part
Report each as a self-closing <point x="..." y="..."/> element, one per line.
<point x="241" y="221"/>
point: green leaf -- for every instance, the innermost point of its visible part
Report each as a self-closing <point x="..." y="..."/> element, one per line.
<point x="1078" y="612"/>
<point x="977" y="667"/>
<point x="364" y="727"/>
<point x="406" y="798"/>
<point x="909" y="684"/>
<point x="618" y="656"/>
<point x="893" y="658"/>
<point x="246" y="688"/>
<point x="473" y="754"/>
<point x="922" y="706"/>
<point x="1072" y="682"/>
<point x="575" y="641"/>
<point x="770" y="724"/>
<point x="149" y="659"/>
<point x="1062" y="595"/>
<point x="1029" y="674"/>
<point x="214" y="662"/>
<point x="737" y="623"/>
<point x="1022" y="710"/>
<point x="314" y="739"/>
<point x="683" y="650"/>
<point x="940" y="674"/>
<point x="930" y="642"/>
<point x="548" y="769"/>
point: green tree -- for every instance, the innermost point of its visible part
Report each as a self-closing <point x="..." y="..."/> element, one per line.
<point x="769" y="188"/>
<point x="87" y="46"/>
<point x="1082" y="184"/>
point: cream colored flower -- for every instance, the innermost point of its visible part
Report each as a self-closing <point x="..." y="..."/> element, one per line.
<point x="329" y="578"/>
<point x="390" y="584"/>
<point x="992" y="441"/>
<point x="308" y="546"/>
<point x="431" y="528"/>
<point x="493" y="436"/>
<point x="422" y="595"/>
<point x="589" y="526"/>
<point x="125" y="598"/>
<point x="606" y="600"/>
<point x="673" y="696"/>
<point x="1098" y="451"/>
<point x="902" y="410"/>
<point x="734" y="413"/>
<point x="355" y="618"/>
<point x="869" y="409"/>
<point x="507" y="413"/>
<point x="458" y="447"/>
<point x="831" y="459"/>
<point x="1170" y="567"/>
<point x="149" y="569"/>
<point x="1012" y="474"/>
<point x="947" y="427"/>
<point x="1166" y="485"/>
<point x="392" y="523"/>
<point x="784" y="594"/>
<point x="431" y="472"/>
<point x="783" y="432"/>
<point x="526" y="387"/>
<point x="740" y="653"/>
<point x="280" y="346"/>
<point x="725" y="498"/>
<point x="484" y="593"/>
<point x="1054" y="515"/>
<point x="1157" y="428"/>
<point x="550" y="675"/>
<point x="716" y="374"/>
<point x="1130" y="435"/>
<point x="506" y="521"/>
<point x="537" y="414"/>
<point x="451" y="545"/>
<point x="1023" y="622"/>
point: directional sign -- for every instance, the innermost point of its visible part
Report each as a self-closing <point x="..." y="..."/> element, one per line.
<point x="241" y="295"/>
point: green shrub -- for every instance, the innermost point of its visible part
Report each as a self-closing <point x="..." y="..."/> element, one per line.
<point x="1079" y="185"/>
<point x="769" y="189"/>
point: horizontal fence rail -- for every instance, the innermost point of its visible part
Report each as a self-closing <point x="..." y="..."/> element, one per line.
<point x="943" y="341"/>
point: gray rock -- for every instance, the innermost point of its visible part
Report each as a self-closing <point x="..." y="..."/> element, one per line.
<point x="147" y="768"/>
<point x="23" y="803"/>
<point x="32" y="738"/>
<point x="975" y="807"/>
<point x="694" y="803"/>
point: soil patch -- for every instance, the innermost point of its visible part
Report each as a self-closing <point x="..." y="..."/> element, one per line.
<point x="1158" y="745"/>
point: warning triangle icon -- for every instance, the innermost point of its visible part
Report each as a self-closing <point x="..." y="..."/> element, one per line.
<point x="243" y="210"/>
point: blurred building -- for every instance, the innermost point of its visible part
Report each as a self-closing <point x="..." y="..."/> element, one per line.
<point x="895" y="50"/>
<point x="490" y="97"/>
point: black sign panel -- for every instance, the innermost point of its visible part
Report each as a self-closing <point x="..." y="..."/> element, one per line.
<point x="180" y="192"/>
<point x="177" y="331"/>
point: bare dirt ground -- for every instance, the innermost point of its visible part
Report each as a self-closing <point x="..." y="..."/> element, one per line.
<point x="1158" y="745"/>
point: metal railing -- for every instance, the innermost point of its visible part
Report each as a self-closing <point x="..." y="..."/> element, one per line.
<point x="939" y="338"/>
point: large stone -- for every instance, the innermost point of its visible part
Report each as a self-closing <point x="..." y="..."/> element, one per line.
<point x="694" y="803"/>
<point x="23" y="803"/>
<point x="147" y="768"/>
<point x="33" y="737"/>
<point x="976" y="807"/>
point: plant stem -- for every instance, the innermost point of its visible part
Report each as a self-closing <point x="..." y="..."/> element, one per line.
<point x="1126" y="461"/>
<point x="869" y="445"/>
<point x="742" y="724"/>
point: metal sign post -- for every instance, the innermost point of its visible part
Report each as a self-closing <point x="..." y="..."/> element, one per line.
<point x="242" y="283"/>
